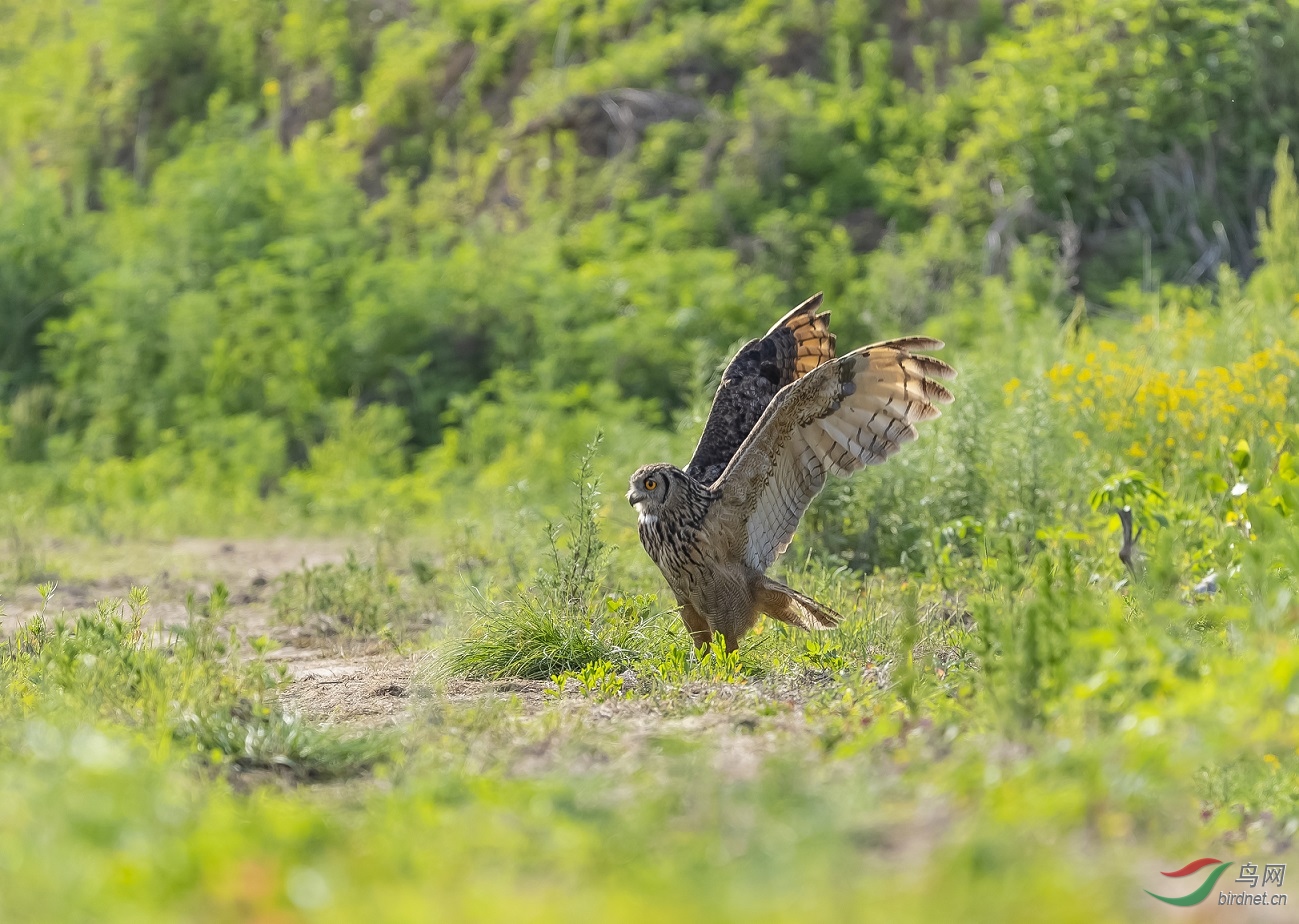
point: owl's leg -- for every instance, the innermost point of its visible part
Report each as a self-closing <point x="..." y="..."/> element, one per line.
<point x="697" y="625"/>
<point x="731" y="606"/>
<point x="736" y="624"/>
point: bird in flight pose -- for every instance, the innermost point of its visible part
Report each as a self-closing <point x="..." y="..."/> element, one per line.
<point x="787" y="414"/>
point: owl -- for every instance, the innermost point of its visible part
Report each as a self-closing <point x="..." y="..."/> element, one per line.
<point x="787" y="414"/>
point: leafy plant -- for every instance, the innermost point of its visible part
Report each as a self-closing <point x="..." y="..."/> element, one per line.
<point x="597" y="680"/>
<point x="562" y="623"/>
<point x="359" y="598"/>
<point x="258" y="735"/>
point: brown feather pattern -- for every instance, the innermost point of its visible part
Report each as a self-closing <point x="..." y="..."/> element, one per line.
<point x="795" y="345"/>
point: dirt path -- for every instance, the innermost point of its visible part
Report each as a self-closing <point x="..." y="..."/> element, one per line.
<point x="86" y="573"/>
<point x="335" y="680"/>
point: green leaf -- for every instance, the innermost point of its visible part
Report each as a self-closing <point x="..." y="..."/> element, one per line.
<point x="1214" y="483"/>
<point x="1240" y="456"/>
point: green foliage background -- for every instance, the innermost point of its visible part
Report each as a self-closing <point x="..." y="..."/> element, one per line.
<point x="289" y="251"/>
<point x="324" y="265"/>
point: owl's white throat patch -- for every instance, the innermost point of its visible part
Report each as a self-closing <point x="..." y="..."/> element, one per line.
<point x="646" y="519"/>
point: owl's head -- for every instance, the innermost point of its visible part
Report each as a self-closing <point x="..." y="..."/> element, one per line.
<point x="655" y="487"/>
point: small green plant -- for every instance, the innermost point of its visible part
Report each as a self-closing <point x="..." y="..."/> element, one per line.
<point x="598" y="680"/>
<point x="1025" y="634"/>
<point x="1136" y="491"/>
<point x="563" y="622"/>
<point x="682" y="664"/>
<point x="354" y="598"/>
<point x="214" y="607"/>
<point x="253" y="734"/>
<point x="575" y="579"/>
<point x="823" y="656"/>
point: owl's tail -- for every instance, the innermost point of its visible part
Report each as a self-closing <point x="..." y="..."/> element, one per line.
<point x="788" y="605"/>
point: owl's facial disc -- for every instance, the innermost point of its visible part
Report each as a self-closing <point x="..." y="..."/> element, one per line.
<point x="645" y="486"/>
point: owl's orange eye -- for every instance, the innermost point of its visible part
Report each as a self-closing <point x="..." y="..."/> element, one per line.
<point x="650" y="484"/>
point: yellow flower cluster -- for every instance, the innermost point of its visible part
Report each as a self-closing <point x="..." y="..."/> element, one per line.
<point x="1139" y="405"/>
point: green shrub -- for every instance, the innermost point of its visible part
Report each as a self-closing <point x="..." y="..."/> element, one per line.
<point x="355" y="597"/>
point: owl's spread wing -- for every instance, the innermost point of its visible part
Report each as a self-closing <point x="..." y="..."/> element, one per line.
<point x="856" y="410"/>
<point x="795" y="345"/>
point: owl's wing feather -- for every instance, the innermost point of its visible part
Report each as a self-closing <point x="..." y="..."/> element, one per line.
<point x="795" y="345"/>
<point x="854" y="411"/>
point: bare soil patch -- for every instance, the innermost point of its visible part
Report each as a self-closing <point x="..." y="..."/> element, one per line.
<point x="86" y="573"/>
<point x="367" y="683"/>
<point x="331" y="680"/>
<point x="365" y="690"/>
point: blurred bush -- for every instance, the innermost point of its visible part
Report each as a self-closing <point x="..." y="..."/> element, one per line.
<point x="330" y="261"/>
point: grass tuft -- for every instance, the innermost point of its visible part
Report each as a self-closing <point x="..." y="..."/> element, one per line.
<point x="253" y="735"/>
<point x="354" y="598"/>
<point x="564" y="621"/>
<point x="518" y="638"/>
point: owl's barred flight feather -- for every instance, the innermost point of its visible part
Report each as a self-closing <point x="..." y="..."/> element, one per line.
<point x="714" y="528"/>
<point x="795" y="345"/>
<point x="857" y="410"/>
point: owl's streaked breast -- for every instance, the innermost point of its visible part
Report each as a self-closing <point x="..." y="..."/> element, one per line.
<point x="672" y="536"/>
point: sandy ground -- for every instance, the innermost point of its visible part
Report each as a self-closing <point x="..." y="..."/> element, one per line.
<point x="359" y="682"/>
<point x="349" y="681"/>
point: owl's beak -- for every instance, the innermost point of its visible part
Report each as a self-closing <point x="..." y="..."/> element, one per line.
<point x="634" y="497"/>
